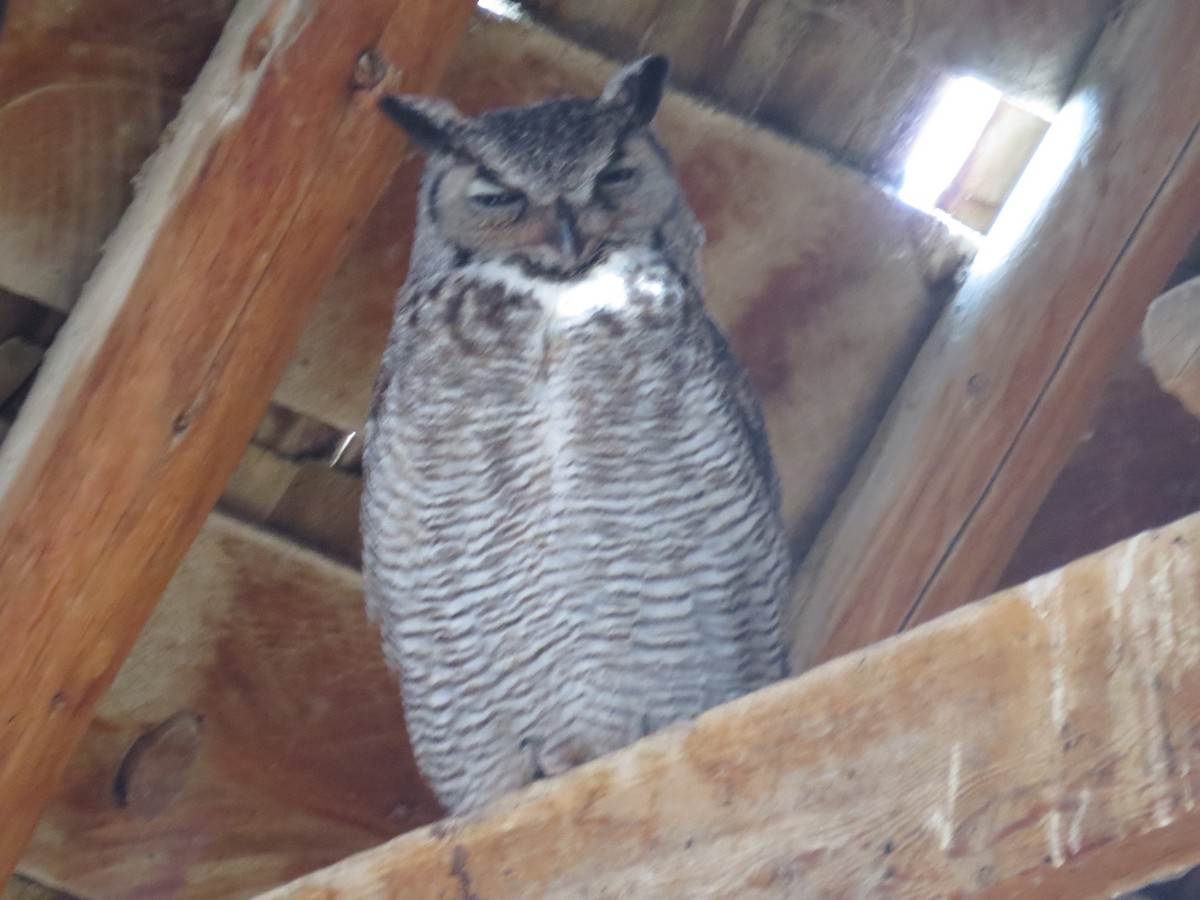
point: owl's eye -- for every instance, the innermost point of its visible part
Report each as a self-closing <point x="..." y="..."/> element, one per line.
<point x="620" y="176"/>
<point x="490" y="195"/>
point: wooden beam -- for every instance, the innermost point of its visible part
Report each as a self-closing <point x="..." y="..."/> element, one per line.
<point x="1041" y="744"/>
<point x="1000" y="393"/>
<point x="1171" y="343"/>
<point x="155" y="385"/>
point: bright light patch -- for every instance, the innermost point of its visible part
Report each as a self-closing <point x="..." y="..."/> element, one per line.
<point x="951" y="132"/>
<point x="503" y="9"/>
<point x="1072" y="129"/>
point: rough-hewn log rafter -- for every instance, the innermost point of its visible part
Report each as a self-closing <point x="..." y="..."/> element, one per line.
<point x="155" y="385"/>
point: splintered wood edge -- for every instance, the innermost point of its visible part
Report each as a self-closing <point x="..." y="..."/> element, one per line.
<point x="1040" y="744"/>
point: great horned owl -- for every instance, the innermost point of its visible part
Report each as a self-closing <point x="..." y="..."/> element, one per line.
<point x="571" y="519"/>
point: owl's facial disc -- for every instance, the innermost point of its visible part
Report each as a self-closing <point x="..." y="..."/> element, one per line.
<point x="555" y="216"/>
<point x="552" y="186"/>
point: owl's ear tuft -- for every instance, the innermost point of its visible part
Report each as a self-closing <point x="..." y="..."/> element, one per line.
<point x="638" y="87"/>
<point x="433" y="124"/>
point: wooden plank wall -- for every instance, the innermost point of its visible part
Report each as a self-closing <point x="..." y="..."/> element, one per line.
<point x="153" y="389"/>
<point x="1136" y="467"/>
<point x="852" y="77"/>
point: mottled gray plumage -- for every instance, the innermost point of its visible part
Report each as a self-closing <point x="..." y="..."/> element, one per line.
<point x="571" y="519"/>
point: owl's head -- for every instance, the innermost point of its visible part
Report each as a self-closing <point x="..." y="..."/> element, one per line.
<point x="551" y="186"/>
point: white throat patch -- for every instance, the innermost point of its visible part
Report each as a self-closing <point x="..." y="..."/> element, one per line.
<point x="607" y="286"/>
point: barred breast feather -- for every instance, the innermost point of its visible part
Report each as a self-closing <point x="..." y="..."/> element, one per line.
<point x="571" y="520"/>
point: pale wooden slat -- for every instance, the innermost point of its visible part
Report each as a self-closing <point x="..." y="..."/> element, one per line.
<point x="1000" y="393"/>
<point x="1171" y="342"/>
<point x="153" y="388"/>
<point x="824" y="282"/>
<point x="1041" y="744"/>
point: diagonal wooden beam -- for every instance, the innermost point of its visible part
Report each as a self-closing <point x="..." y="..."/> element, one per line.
<point x="1002" y="390"/>
<point x="154" y="387"/>
<point x="1041" y="744"/>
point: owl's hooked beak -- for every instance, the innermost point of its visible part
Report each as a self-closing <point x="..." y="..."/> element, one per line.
<point x="554" y="239"/>
<point x="567" y="231"/>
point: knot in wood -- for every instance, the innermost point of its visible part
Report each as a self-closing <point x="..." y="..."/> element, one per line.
<point x="369" y="71"/>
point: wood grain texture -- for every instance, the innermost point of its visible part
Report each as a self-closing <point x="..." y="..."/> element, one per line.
<point x="1171" y="342"/>
<point x="86" y="88"/>
<point x="825" y="284"/>
<point x="853" y="77"/>
<point x="301" y="757"/>
<point x="57" y="207"/>
<point x="1042" y="744"/>
<point x="998" y="396"/>
<point x="154" y="386"/>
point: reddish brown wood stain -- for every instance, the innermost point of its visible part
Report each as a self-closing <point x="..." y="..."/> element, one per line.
<point x="318" y="698"/>
<point x="708" y="178"/>
<point x="793" y="297"/>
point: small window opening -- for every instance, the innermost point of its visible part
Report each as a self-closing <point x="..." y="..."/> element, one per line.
<point x="970" y="152"/>
<point x="503" y="9"/>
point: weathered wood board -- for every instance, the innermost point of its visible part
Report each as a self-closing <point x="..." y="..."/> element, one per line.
<point x="825" y="284"/>
<point x="150" y="394"/>
<point x="853" y="77"/>
<point x="1044" y="743"/>
<point x="301" y="756"/>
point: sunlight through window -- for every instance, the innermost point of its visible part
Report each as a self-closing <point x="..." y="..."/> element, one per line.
<point x="503" y="9"/>
<point x="951" y="132"/>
